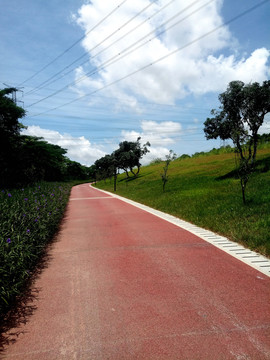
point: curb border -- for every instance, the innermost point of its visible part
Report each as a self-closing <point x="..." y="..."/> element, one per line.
<point x="249" y="257"/>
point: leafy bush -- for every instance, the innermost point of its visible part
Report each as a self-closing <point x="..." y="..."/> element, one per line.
<point x="156" y="161"/>
<point x="184" y="156"/>
<point x="28" y="219"/>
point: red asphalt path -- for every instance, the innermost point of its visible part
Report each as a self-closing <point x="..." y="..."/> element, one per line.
<point x="124" y="284"/>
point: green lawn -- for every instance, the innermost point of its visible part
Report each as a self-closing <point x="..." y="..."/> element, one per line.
<point x="205" y="191"/>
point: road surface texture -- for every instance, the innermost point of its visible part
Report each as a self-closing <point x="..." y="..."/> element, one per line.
<point x="121" y="283"/>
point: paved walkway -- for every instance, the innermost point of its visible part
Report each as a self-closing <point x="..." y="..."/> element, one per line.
<point x="121" y="283"/>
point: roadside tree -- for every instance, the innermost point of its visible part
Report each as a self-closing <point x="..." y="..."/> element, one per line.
<point x="242" y="111"/>
<point x="129" y="154"/>
<point x="105" y="167"/>
<point x="170" y="157"/>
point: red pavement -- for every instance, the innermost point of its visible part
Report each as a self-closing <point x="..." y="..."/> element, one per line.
<point x="124" y="284"/>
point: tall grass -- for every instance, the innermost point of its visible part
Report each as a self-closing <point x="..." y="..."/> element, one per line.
<point x="205" y="190"/>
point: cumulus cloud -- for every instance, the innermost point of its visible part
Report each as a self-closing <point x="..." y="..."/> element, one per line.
<point x="161" y="136"/>
<point x="199" y="67"/>
<point x="78" y="148"/>
<point x="265" y="128"/>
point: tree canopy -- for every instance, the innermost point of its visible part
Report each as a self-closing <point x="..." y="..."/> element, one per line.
<point x="242" y="111"/>
<point x="9" y="114"/>
<point x="241" y="114"/>
<point x="127" y="157"/>
<point x="105" y="166"/>
<point x="129" y="154"/>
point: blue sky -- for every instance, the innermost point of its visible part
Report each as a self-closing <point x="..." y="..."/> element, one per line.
<point x="113" y="71"/>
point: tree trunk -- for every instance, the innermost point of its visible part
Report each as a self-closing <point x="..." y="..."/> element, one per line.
<point x="243" y="187"/>
<point x="255" y="139"/>
<point x="115" y="178"/>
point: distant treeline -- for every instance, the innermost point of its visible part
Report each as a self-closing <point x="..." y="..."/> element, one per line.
<point x="26" y="159"/>
<point x="263" y="139"/>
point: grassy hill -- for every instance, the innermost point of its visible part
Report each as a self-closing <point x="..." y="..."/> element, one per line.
<point x="205" y="191"/>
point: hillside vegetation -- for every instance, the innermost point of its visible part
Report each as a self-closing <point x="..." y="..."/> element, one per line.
<point x="205" y="191"/>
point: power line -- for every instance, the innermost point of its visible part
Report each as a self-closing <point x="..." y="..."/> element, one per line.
<point x="118" y="56"/>
<point x="168" y="108"/>
<point x="99" y="114"/>
<point x="93" y="48"/>
<point x="98" y="97"/>
<point x="123" y="54"/>
<point x="48" y="82"/>
<point x="163" y="57"/>
<point x="75" y="43"/>
<point x="183" y="133"/>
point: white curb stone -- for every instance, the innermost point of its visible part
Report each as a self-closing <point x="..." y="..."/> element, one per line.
<point x="249" y="257"/>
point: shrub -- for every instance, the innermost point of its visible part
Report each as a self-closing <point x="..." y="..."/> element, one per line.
<point x="156" y="161"/>
<point x="28" y="219"/>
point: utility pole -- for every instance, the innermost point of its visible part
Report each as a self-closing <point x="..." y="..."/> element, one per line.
<point x="14" y="95"/>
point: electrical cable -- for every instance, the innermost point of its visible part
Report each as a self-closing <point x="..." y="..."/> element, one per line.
<point x="106" y="48"/>
<point x="163" y="57"/>
<point x="116" y="57"/>
<point x="123" y="54"/>
<point x="45" y="83"/>
<point x="75" y="43"/>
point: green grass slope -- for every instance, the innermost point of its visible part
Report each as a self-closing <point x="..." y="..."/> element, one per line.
<point x="205" y="191"/>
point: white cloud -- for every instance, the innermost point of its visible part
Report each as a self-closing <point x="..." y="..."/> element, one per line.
<point x="160" y="135"/>
<point x="198" y="68"/>
<point x="265" y="128"/>
<point x="78" y="148"/>
<point x="222" y="70"/>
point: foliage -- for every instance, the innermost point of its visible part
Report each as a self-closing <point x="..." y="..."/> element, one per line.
<point x="28" y="219"/>
<point x="9" y="133"/>
<point x="242" y="111"/>
<point x="27" y="159"/>
<point x="105" y="166"/>
<point x="129" y="154"/>
<point x="39" y="160"/>
<point x="126" y="157"/>
<point x="184" y="156"/>
<point x="74" y="170"/>
<point x="204" y="191"/>
<point x="264" y="139"/>
<point x="36" y="160"/>
<point x="92" y="173"/>
<point x="170" y="157"/>
<point x="9" y="114"/>
<point x="156" y="161"/>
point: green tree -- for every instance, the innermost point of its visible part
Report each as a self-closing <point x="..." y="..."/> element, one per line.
<point x="93" y="173"/>
<point x="76" y="171"/>
<point x="10" y="127"/>
<point x="170" y="157"/>
<point x="129" y="154"/>
<point x="104" y="167"/>
<point x="242" y="111"/>
<point x="27" y="159"/>
<point x="39" y="160"/>
<point x="10" y="113"/>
